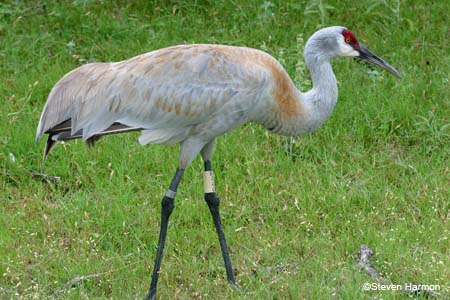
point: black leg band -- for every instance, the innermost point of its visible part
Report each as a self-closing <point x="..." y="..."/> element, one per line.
<point x="208" y="165"/>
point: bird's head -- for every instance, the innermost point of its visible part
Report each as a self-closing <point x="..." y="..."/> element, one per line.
<point x="339" y="41"/>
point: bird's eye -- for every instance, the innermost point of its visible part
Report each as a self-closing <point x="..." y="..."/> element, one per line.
<point x="347" y="40"/>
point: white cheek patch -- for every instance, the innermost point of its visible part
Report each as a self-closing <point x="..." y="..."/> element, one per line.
<point x="353" y="53"/>
<point x="208" y="179"/>
<point x="346" y="49"/>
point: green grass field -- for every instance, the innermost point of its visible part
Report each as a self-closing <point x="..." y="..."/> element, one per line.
<point x="295" y="211"/>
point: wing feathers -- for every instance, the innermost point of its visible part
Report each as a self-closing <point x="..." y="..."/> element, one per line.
<point x="63" y="132"/>
<point x="166" y="92"/>
<point x="164" y="136"/>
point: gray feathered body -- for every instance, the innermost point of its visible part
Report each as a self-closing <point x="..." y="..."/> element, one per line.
<point x="188" y="91"/>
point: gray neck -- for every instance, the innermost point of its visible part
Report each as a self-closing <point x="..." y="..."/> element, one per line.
<point x="322" y="98"/>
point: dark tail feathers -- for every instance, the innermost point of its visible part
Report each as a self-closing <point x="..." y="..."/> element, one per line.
<point x="62" y="132"/>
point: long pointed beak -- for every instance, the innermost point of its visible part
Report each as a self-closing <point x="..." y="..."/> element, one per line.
<point x="366" y="55"/>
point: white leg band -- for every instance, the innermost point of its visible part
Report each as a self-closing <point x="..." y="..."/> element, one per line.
<point x="171" y="194"/>
<point x="208" y="179"/>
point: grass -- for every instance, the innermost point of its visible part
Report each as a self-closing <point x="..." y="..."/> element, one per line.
<point x="376" y="173"/>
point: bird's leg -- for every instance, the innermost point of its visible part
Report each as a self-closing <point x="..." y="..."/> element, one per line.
<point x="167" y="206"/>
<point x="213" y="203"/>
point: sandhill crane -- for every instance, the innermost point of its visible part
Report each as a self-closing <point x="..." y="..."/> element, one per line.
<point x="190" y="94"/>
